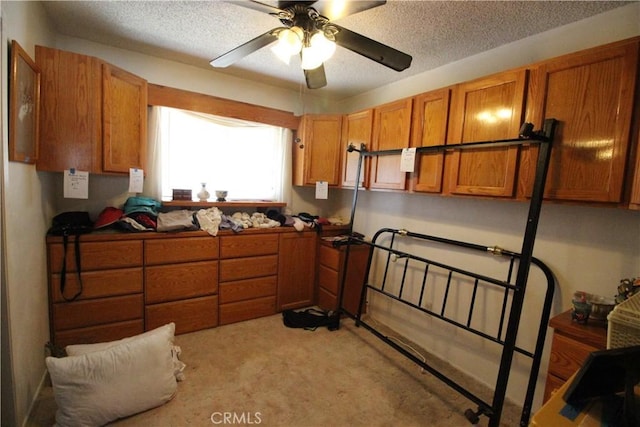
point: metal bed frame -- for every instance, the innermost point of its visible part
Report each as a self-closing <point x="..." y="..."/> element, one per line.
<point x="513" y="292"/>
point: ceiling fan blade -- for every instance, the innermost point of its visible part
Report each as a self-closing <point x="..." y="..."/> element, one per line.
<point x="256" y="5"/>
<point x="372" y="49"/>
<point x="315" y="78"/>
<point x="283" y="4"/>
<point x="336" y="9"/>
<point x="243" y="50"/>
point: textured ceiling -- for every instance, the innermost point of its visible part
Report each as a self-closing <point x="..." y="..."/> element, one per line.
<point x="433" y="32"/>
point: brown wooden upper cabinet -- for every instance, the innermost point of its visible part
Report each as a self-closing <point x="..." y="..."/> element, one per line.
<point x="428" y="128"/>
<point x="591" y="94"/>
<point x="634" y="199"/>
<point x="356" y="130"/>
<point x="317" y="151"/>
<point x="70" y="125"/>
<point x="124" y="114"/>
<point x="391" y="130"/>
<point x="93" y="116"/>
<point x="485" y="109"/>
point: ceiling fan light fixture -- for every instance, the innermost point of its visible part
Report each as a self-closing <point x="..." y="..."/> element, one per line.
<point x="323" y="45"/>
<point x="310" y="58"/>
<point x="318" y="50"/>
<point x="289" y="43"/>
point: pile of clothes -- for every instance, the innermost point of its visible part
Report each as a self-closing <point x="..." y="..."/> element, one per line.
<point x="212" y="219"/>
<point x="138" y="214"/>
<point x="144" y="214"/>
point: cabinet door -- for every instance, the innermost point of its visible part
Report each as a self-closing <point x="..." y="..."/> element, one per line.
<point x="391" y="130"/>
<point x="591" y="95"/>
<point x="356" y="130"/>
<point x="428" y="128"/>
<point x="124" y="109"/>
<point x="296" y="270"/>
<point x="70" y="122"/>
<point x="487" y="109"/>
<point x="634" y="202"/>
<point x="317" y="154"/>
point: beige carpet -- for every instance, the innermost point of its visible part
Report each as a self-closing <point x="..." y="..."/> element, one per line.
<point x="261" y="373"/>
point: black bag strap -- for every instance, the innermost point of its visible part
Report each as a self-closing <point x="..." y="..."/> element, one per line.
<point x="63" y="272"/>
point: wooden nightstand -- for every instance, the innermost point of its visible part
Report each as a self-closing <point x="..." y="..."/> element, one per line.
<point x="572" y="342"/>
<point x="331" y="265"/>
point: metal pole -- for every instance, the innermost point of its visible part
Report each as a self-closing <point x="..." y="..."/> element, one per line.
<point x="544" y="155"/>
<point x="356" y="184"/>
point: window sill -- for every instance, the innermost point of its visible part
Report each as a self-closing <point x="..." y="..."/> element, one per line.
<point x="229" y="204"/>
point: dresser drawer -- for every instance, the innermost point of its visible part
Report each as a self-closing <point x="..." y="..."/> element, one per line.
<point x="567" y="356"/>
<point x="96" y="255"/>
<point x="247" y="289"/>
<point x="245" y="246"/>
<point x="79" y="314"/>
<point x="328" y="279"/>
<point x="243" y="268"/>
<point x="181" y="249"/>
<point x="552" y="385"/>
<point x="100" y="333"/>
<point x="327" y="300"/>
<point x="180" y="281"/>
<point x="329" y="257"/>
<point x="188" y="315"/>
<point x="245" y="310"/>
<point x="98" y="284"/>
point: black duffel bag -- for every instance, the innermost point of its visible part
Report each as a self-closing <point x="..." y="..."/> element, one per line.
<point x="311" y="319"/>
<point x="71" y="224"/>
<point x="74" y="224"/>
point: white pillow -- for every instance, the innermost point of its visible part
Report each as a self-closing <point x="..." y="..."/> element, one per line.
<point x="101" y="386"/>
<point x="167" y="330"/>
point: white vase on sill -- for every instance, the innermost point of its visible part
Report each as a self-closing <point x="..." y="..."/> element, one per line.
<point x="203" y="195"/>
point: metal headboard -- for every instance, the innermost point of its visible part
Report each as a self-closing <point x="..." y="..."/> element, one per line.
<point x="514" y="291"/>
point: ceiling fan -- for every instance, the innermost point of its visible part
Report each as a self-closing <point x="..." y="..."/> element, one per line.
<point x="308" y="30"/>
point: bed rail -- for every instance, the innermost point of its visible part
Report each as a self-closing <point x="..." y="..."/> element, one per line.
<point x="391" y="282"/>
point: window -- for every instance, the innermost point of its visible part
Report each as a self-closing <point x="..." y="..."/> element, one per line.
<point x="249" y="160"/>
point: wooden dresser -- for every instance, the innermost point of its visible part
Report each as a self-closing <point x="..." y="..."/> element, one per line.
<point x="134" y="282"/>
<point x="572" y="342"/>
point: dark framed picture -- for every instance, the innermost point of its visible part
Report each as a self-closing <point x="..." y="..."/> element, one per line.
<point x="24" y="106"/>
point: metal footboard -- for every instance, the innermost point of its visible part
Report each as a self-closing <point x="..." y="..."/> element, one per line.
<point x="406" y="278"/>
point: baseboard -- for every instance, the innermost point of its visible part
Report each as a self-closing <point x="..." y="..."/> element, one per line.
<point x="27" y="422"/>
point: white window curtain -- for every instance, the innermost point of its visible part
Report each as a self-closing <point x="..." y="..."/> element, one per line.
<point x="153" y="179"/>
<point x="250" y="160"/>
